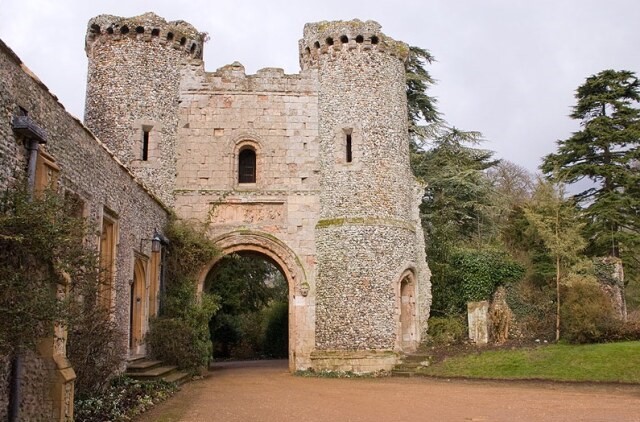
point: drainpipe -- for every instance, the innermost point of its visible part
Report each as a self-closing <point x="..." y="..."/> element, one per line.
<point x="34" y="136"/>
<point x="32" y="146"/>
<point x="15" y="388"/>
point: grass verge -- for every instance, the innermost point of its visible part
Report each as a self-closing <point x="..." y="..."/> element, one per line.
<point x="610" y="362"/>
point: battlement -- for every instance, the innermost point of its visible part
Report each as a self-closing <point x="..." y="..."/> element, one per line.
<point x="333" y="38"/>
<point x="147" y="27"/>
<point x="233" y="77"/>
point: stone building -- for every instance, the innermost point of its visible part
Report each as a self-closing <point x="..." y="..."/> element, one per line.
<point x="310" y="171"/>
<point x="67" y="155"/>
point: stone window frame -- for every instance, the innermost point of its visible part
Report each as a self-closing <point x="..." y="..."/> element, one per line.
<point x="154" y="128"/>
<point x="47" y="172"/>
<point x="241" y="143"/>
<point x="108" y="272"/>
<point x="340" y="136"/>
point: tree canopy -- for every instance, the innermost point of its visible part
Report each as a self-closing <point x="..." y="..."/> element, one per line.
<point x="605" y="152"/>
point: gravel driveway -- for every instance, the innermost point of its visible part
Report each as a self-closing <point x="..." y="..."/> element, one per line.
<point x="264" y="391"/>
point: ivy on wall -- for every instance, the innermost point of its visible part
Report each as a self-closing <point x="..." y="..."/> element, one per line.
<point x="180" y="336"/>
<point x="482" y="271"/>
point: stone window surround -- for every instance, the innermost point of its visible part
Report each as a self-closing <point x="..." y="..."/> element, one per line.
<point x="240" y="143"/>
<point x="153" y="149"/>
<point x="111" y="218"/>
<point x="340" y="146"/>
<point x="47" y="171"/>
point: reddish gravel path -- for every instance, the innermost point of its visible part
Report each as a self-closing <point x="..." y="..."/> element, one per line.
<point x="266" y="392"/>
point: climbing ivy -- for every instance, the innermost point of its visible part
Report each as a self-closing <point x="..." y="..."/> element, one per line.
<point x="604" y="269"/>
<point x="180" y="335"/>
<point x="41" y="250"/>
<point x="481" y="271"/>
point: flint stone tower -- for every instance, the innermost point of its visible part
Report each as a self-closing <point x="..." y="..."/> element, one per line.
<point x="366" y="233"/>
<point x="133" y="91"/>
<point x="310" y="171"/>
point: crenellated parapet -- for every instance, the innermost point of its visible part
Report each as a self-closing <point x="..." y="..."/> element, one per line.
<point x="337" y="38"/>
<point x="133" y="83"/>
<point x="148" y="27"/>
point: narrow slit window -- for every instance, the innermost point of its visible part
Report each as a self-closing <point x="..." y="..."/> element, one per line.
<point x="145" y="144"/>
<point x="247" y="166"/>
<point x="349" y="151"/>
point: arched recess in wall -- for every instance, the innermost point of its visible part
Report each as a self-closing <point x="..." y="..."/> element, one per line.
<point x="405" y="287"/>
<point x="248" y="161"/>
<point x="280" y="254"/>
<point x="136" y="304"/>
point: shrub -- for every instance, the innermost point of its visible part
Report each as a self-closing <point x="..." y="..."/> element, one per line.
<point x="446" y="330"/>
<point x="183" y="339"/>
<point x="94" y="348"/>
<point x="626" y="331"/>
<point x="533" y="306"/>
<point x="251" y="335"/>
<point x="122" y="400"/>
<point x="586" y="314"/>
<point x="49" y="275"/>
<point x="41" y="249"/>
<point x="181" y="334"/>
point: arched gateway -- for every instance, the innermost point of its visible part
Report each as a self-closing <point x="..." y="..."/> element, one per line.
<point x="289" y="264"/>
<point x="311" y="170"/>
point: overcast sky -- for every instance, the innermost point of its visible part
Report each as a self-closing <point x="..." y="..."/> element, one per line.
<point x="506" y="68"/>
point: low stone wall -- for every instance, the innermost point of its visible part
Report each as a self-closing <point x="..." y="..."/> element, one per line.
<point x="358" y="361"/>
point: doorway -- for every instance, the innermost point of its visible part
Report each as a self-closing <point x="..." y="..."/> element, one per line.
<point x="136" y="306"/>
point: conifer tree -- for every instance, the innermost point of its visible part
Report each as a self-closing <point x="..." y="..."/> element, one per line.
<point x="606" y="152"/>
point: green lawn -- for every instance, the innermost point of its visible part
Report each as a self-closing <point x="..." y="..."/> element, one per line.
<point x="611" y="362"/>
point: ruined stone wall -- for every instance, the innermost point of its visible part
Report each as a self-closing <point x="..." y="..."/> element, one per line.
<point x="87" y="169"/>
<point x="367" y="235"/>
<point x="132" y="86"/>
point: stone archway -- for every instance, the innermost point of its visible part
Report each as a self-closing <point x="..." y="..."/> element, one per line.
<point x="281" y="255"/>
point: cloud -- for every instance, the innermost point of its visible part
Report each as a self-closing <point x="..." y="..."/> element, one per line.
<point x="505" y="68"/>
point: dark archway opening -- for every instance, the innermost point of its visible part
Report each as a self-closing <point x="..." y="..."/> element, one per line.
<point x="253" y="321"/>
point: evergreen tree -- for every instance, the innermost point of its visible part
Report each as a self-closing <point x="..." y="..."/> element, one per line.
<point x="605" y="152"/>
<point x="423" y="113"/>
<point x="457" y="204"/>
<point x="456" y="209"/>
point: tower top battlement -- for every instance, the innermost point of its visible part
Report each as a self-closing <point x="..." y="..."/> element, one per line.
<point x="177" y="34"/>
<point x="335" y="36"/>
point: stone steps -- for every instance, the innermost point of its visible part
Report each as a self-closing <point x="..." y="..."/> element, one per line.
<point x="144" y="369"/>
<point x="410" y="364"/>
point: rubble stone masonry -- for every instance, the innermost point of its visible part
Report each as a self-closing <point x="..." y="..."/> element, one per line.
<point x="87" y="169"/>
<point x="330" y="197"/>
<point x="325" y="190"/>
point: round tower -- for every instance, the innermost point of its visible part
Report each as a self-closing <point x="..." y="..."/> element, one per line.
<point x="366" y="237"/>
<point x="133" y="91"/>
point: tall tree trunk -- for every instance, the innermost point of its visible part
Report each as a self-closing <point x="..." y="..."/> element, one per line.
<point x="557" y="298"/>
<point x="557" y="276"/>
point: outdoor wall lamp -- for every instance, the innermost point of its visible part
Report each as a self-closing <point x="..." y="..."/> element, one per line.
<point x="156" y="242"/>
